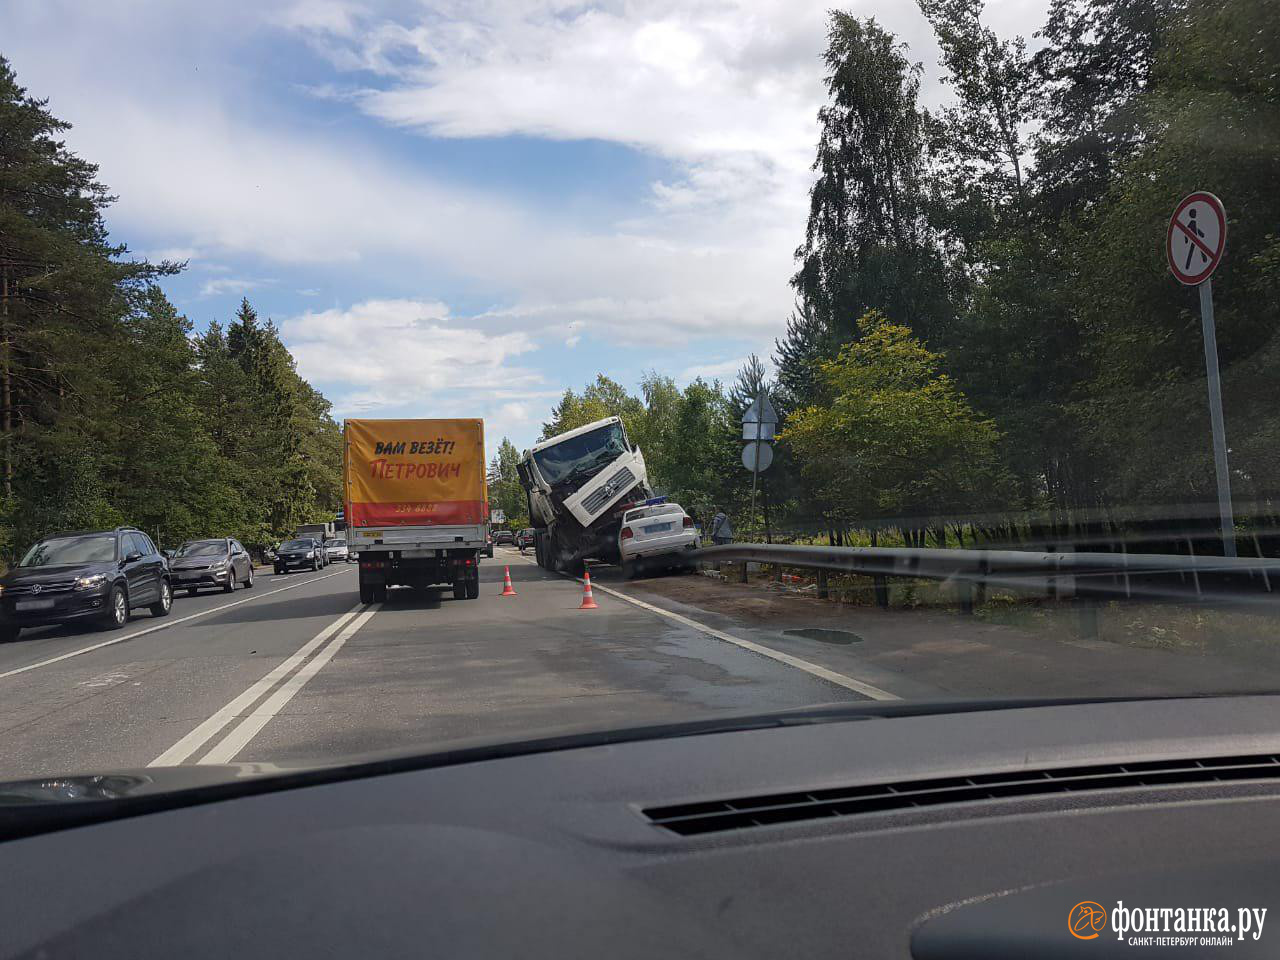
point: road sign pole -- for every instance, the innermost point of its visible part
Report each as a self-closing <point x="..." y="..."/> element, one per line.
<point x="1215" y="419"/>
<point x="755" y="470"/>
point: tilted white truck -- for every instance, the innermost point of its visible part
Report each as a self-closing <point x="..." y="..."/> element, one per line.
<point x="579" y="484"/>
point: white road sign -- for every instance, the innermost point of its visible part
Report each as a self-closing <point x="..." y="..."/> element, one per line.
<point x="1197" y="236"/>
<point x="749" y="455"/>
<point x="761" y="412"/>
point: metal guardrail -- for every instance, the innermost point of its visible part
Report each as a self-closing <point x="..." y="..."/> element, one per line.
<point x="1063" y="574"/>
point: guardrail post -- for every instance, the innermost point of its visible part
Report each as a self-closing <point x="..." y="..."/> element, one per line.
<point x="964" y="589"/>
<point x="1086" y="618"/>
<point x="881" y="590"/>
<point x="742" y="572"/>
<point x="823" y="592"/>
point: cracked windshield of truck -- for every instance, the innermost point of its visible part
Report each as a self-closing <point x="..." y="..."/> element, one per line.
<point x="378" y="378"/>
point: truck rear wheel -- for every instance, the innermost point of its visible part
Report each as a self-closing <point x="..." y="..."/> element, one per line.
<point x="564" y="560"/>
<point x="473" y="584"/>
<point x="460" y="589"/>
<point x="366" y="593"/>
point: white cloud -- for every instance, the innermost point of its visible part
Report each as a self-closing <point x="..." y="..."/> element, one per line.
<point x="308" y="292"/>
<point x="409" y="354"/>
<point x="224" y="285"/>
<point x="174" y="254"/>
<point x="726" y="371"/>
<point x="206" y="156"/>
<point x="728" y="88"/>
<point x="327" y="16"/>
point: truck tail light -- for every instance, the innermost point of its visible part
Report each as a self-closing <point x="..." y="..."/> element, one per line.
<point x="627" y="533"/>
<point x="688" y="521"/>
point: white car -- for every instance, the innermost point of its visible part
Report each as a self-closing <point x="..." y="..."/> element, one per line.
<point x="336" y="549"/>
<point x="658" y="535"/>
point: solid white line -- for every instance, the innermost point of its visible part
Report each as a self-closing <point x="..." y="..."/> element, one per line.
<point x="165" y="625"/>
<point x="849" y="683"/>
<point x="197" y="738"/>
<point x="238" y="739"/>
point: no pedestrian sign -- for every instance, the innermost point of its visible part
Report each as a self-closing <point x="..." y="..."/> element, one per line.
<point x="1197" y="236"/>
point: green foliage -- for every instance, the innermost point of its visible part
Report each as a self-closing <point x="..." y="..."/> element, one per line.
<point x="869" y="242"/>
<point x="604" y="398"/>
<point x="1047" y="183"/>
<point x="110" y="411"/>
<point x="505" y="492"/>
<point x="894" y="436"/>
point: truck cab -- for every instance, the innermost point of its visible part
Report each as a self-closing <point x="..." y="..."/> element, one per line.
<point x="576" y="482"/>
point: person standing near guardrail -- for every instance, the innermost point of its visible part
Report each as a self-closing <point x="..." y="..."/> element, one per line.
<point x="721" y="530"/>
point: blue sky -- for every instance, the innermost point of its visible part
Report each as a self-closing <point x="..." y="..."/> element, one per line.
<point x="463" y="207"/>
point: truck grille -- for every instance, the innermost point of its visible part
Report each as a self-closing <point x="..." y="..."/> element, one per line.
<point x="614" y="485"/>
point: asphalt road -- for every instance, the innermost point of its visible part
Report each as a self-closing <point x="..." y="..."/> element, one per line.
<point x="297" y="670"/>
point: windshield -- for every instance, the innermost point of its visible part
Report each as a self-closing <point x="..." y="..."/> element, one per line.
<point x="577" y="455"/>
<point x="70" y="550"/>
<point x="947" y="333"/>
<point x="202" y="548"/>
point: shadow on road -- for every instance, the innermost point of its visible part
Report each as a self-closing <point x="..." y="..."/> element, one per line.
<point x="139" y="617"/>
<point x="491" y="572"/>
<point x="52" y="632"/>
<point x="428" y="598"/>
<point x="288" y="608"/>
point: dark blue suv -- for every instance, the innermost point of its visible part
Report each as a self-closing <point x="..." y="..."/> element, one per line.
<point x="96" y="575"/>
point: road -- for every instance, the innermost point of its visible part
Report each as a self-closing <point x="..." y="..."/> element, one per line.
<point x="296" y="670"/>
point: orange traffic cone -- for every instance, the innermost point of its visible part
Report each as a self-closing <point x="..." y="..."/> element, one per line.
<point x="507" y="589"/>
<point x="588" y="601"/>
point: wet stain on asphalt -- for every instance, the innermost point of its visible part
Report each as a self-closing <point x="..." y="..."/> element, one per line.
<point x="839" y="637"/>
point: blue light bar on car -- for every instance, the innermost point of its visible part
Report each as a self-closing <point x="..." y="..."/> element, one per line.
<point x="654" y="501"/>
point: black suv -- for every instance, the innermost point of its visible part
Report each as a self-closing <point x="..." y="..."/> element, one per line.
<point x="300" y="553"/>
<point x="98" y="575"/>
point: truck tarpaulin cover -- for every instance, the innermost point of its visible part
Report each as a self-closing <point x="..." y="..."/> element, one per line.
<point x="415" y="472"/>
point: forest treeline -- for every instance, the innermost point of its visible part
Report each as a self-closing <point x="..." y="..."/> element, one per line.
<point x="112" y="410"/>
<point x="985" y="328"/>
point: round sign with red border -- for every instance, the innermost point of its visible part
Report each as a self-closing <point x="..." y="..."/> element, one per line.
<point x="1197" y="238"/>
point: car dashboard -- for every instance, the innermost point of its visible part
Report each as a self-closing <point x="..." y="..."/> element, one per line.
<point x="942" y="835"/>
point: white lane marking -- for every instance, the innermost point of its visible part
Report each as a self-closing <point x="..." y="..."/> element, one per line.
<point x="163" y="626"/>
<point x="239" y="738"/>
<point x="866" y="689"/>
<point x="198" y="737"/>
<point x="849" y="683"/>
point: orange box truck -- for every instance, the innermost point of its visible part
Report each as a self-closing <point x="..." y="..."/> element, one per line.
<point x="416" y="503"/>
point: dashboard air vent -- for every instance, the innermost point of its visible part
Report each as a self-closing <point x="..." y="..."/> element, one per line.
<point x="715" y="816"/>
